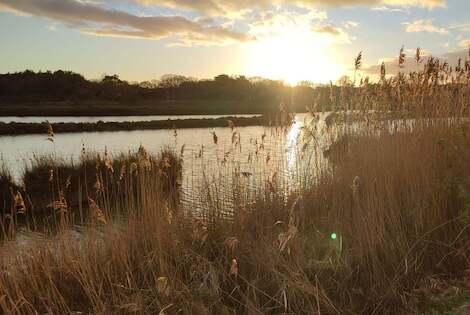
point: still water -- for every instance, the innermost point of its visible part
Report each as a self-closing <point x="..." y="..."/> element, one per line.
<point x="263" y="152"/>
<point x="16" y="151"/>
<point x="208" y="167"/>
<point x="94" y="119"/>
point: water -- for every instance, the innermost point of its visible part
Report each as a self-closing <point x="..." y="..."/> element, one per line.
<point x="208" y="167"/>
<point x="17" y="150"/>
<point x="94" y="119"/>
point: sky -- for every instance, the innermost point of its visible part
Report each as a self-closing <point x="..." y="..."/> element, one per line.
<point x="314" y="40"/>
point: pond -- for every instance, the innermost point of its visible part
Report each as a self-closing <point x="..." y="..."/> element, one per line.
<point x="261" y="151"/>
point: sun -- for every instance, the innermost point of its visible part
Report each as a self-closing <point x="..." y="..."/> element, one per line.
<point x="293" y="55"/>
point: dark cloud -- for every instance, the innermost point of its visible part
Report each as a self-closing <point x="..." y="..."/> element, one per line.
<point x="232" y="7"/>
<point x="98" y="20"/>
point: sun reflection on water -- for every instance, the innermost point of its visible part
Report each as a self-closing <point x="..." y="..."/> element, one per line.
<point x="292" y="139"/>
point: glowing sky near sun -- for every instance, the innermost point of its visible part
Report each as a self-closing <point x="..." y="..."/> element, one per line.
<point x="139" y="40"/>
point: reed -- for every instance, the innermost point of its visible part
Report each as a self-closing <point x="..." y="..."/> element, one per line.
<point x="366" y="213"/>
<point x="8" y="189"/>
<point x="55" y="189"/>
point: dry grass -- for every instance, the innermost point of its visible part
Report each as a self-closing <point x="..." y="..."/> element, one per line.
<point x="366" y="232"/>
<point x="7" y="188"/>
<point x="399" y="204"/>
<point x="395" y="226"/>
<point x="55" y="190"/>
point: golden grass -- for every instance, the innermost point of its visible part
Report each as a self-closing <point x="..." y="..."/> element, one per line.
<point x="54" y="190"/>
<point x="357" y="233"/>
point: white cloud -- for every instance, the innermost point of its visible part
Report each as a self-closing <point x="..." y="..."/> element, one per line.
<point x="464" y="43"/>
<point x="464" y="27"/>
<point x="281" y="22"/>
<point x="430" y="4"/>
<point x="350" y="24"/>
<point x="51" y="28"/>
<point x="390" y="9"/>
<point x="424" y="26"/>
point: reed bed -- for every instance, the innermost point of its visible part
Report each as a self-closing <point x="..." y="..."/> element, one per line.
<point x="53" y="191"/>
<point x="364" y="213"/>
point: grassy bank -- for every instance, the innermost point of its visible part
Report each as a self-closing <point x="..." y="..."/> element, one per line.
<point x="40" y="128"/>
<point x="363" y="239"/>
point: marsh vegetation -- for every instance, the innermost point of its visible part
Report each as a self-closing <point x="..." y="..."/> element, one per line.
<point x="364" y="213"/>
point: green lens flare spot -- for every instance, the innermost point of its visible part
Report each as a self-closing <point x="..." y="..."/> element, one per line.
<point x="333" y="236"/>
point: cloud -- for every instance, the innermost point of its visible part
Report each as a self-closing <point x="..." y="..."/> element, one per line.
<point x="280" y="22"/>
<point x="327" y="29"/>
<point x="390" y="9"/>
<point x="51" y="28"/>
<point x="224" y="7"/>
<point x="350" y="24"/>
<point x="97" y="20"/>
<point x="336" y="34"/>
<point x="419" y="26"/>
<point x="464" y="43"/>
<point x="429" y="4"/>
<point x="463" y="27"/>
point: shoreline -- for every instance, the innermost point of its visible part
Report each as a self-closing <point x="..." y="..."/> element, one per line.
<point x="13" y="128"/>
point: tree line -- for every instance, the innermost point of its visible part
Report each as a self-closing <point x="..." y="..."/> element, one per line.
<point x="66" y="86"/>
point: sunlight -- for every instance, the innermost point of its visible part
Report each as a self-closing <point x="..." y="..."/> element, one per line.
<point x="292" y="137"/>
<point x="293" y="55"/>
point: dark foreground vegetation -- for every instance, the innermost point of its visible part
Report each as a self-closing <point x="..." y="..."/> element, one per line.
<point x="381" y="227"/>
<point x="40" y="128"/>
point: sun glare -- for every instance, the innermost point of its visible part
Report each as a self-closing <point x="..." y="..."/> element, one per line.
<point x="292" y="56"/>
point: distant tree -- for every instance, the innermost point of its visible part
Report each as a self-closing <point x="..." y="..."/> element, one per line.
<point x="222" y="78"/>
<point x="111" y="79"/>
<point x="306" y="83"/>
<point x="172" y="80"/>
<point x="256" y="79"/>
<point x="147" y="85"/>
<point x="242" y="93"/>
